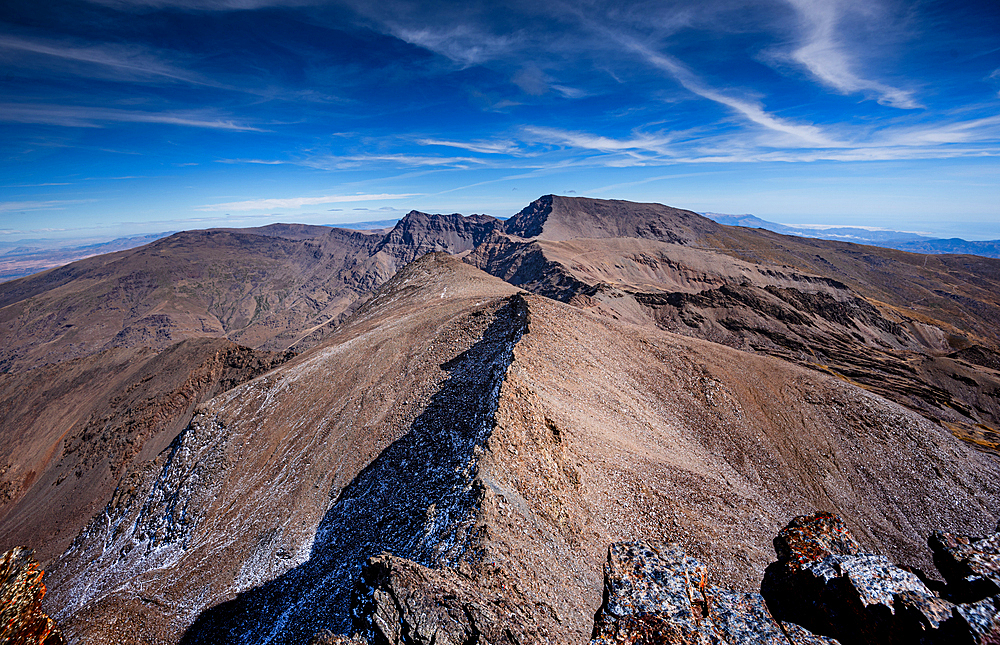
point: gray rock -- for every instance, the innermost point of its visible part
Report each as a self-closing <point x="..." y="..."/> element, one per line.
<point x="654" y="593"/>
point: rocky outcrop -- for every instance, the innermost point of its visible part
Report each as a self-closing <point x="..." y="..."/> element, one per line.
<point x="420" y="233"/>
<point x="822" y="589"/>
<point x="523" y="264"/>
<point x="970" y="565"/>
<point x="398" y="601"/>
<point x="22" y="621"/>
<point x="655" y="593"/>
<point x="824" y="582"/>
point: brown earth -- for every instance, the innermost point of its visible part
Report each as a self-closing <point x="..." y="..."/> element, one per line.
<point x="698" y="384"/>
<point x="268" y="288"/>
<point x="920" y="330"/>
<point x="71" y="431"/>
<point x="258" y="518"/>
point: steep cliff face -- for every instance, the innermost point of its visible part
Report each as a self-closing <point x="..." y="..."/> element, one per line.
<point x="420" y="233"/>
<point x="456" y="423"/>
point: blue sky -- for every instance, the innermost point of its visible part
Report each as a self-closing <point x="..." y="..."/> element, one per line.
<point x="122" y="117"/>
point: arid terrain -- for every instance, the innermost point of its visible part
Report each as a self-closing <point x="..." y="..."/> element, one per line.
<point x="207" y="437"/>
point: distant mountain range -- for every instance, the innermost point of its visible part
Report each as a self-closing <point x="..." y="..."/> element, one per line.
<point x="901" y="240"/>
<point x="26" y="257"/>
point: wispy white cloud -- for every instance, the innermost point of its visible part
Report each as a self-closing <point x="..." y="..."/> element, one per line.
<point x="334" y="162"/>
<point x="203" y="5"/>
<point x="968" y="138"/>
<point x="464" y="44"/>
<point x="484" y="147"/>
<point x="659" y="144"/>
<point x="266" y="162"/>
<point x="297" y="202"/>
<point x="124" y="62"/>
<point x="48" y="183"/>
<point x="806" y="133"/>
<point x="825" y="55"/>
<point x="569" y="92"/>
<point x="55" y="204"/>
<point x="95" y="117"/>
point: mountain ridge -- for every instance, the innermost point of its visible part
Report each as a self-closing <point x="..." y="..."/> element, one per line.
<point x="503" y="406"/>
<point x="600" y="428"/>
<point x="890" y="239"/>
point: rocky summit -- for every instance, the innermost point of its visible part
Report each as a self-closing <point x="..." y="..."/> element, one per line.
<point x="438" y="432"/>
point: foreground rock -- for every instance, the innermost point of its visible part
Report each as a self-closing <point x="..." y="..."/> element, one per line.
<point x="654" y="593"/>
<point x="22" y="621"/>
<point x="970" y="565"/>
<point x="398" y="601"/>
<point x="824" y="582"/>
<point x="822" y="589"/>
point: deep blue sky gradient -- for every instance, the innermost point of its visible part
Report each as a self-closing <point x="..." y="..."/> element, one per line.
<point x="121" y="117"/>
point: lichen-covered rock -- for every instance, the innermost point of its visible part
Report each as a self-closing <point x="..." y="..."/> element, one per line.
<point x="397" y="601"/>
<point x="654" y="593"/>
<point x="22" y="621"/>
<point x="970" y="565"/>
<point x="810" y="538"/>
<point x="823" y="582"/>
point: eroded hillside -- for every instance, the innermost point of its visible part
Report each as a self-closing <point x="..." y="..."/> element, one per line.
<point x="388" y="436"/>
<point x="920" y="330"/>
<point x="636" y="373"/>
<point x="271" y="288"/>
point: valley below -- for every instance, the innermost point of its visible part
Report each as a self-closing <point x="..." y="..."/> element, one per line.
<point x="434" y="433"/>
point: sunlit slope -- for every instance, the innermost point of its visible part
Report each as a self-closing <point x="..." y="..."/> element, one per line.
<point x="456" y="422"/>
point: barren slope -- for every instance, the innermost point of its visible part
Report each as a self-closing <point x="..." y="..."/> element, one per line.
<point x="71" y="431"/>
<point x="273" y="287"/>
<point x="455" y="422"/>
<point x="831" y="306"/>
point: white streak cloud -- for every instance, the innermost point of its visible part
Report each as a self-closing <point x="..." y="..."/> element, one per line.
<point x="297" y="202"/>
<point x="93" y="117"/>
<point x="824" y="55"/>
<point x="461" y="44"/>
<point x="650" y="143"/>
<point x="484" y="147"/>
<point x="126" y="62"/>
<point x="807" y="133"/>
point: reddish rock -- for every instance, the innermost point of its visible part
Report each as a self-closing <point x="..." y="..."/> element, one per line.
<point x="823" y="582"/>
<point x="22" y="621"/>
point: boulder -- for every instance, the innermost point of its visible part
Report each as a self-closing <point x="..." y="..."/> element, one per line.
<point x="398" y="601"/>
<point x="970" y="565"/>
<point x="824" y="582"/>
<point x="654" y="593"/>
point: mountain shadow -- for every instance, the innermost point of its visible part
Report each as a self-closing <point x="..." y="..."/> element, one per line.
<point x="417" y="500"/>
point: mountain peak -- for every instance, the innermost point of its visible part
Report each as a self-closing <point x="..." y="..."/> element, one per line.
<point x="557" y="218"/>
<point x="419" y="233"/>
